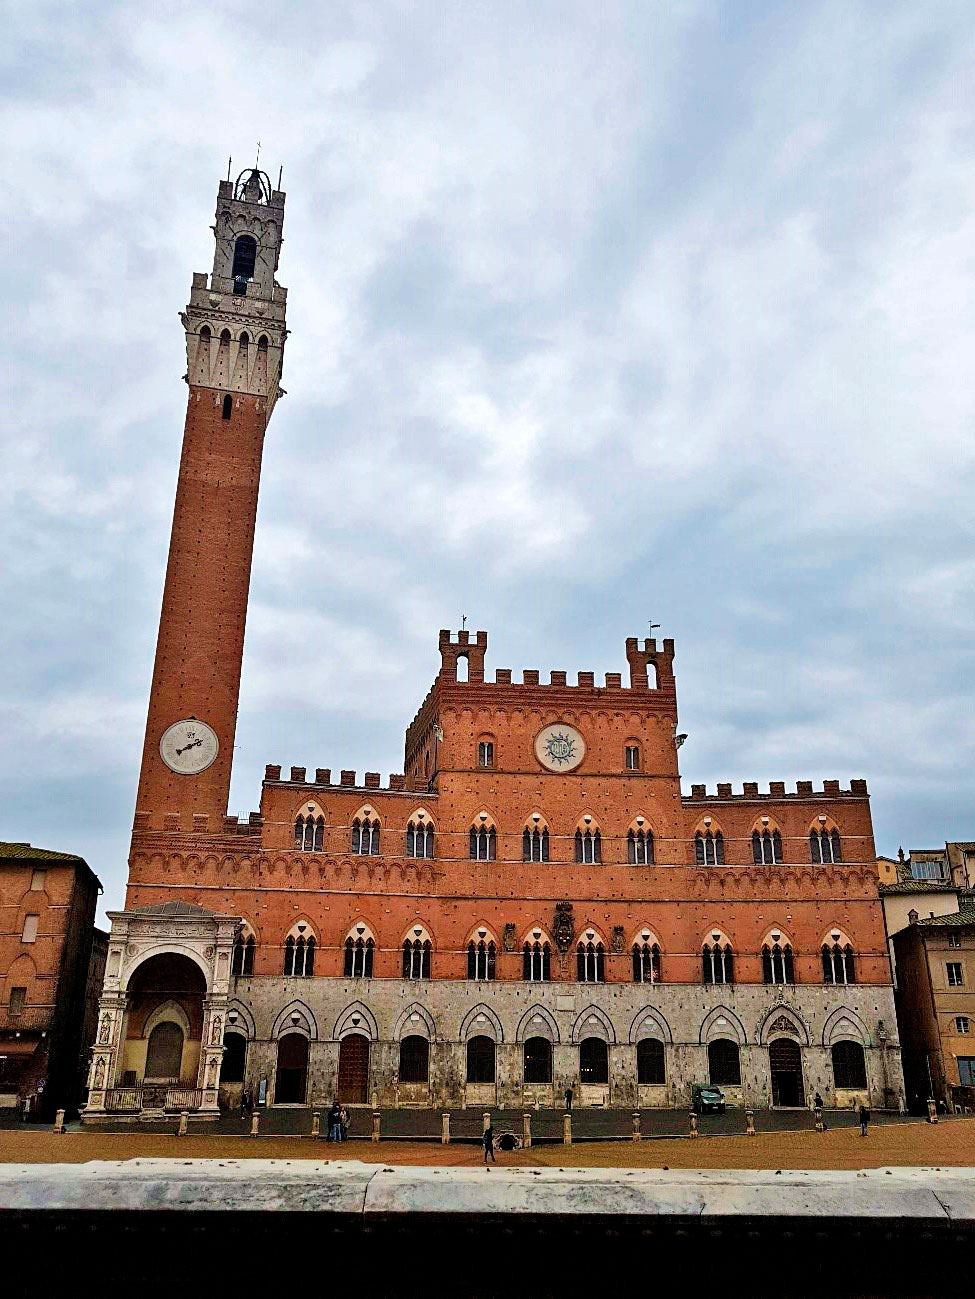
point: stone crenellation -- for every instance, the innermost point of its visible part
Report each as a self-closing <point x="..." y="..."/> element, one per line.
<point x="776" y="789"/>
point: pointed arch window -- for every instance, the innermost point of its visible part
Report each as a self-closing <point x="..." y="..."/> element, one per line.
<point x="417" y="954"/>
<point x="639" y="847"/>
<point x="824" y="846"/>
<point x="299" y="954"/>
<point x="534" y="844"/>
<point x="646" y="961"/>
<point x="709" y="848"/>
<point x="718" y="962"/>
<point x="310" y="832"/>
<point x="631" y="757"/>
<point x="483" y="843"/>
<point x="365" y="836"/>
<point x="536" y="963"/>
<point x="481" y="959"/>
<point x="360" y="949"/>
<point x="589" y="846"/>
<point x="766" y="848"/>
<point x="485" y="753"/>
<point x="228" y="407"/>
<point x="242" y="959"/>
<point x="590" y="961"/>
<point x="838" y="963"/>
<point x="245" y="261"/>
<point x="419" y="838"/>
<point x="724" y="1063"/>
<point x="650" y="1066"/>
<point x="778" y="965"/>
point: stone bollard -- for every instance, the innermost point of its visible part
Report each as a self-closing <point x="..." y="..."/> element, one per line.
<point x="487" y="1120"/>
<point x="526" y="1129"/>
<point x="637" y="1134"/>
<point x="749" y="1123"/>
<point x="316" y="1125"/>
<point x="375" y="1125"/>
<point x="445" y="1129"/>
<point x="567" y="1129"/>
<point x="255" y="1124"/>
<point x="184" y="1124"/>
<point x="59" y="1122"/>
<point x="820" y="1125"/>
<point x="693" y="1118"/>
<point x="932" y="1111"/>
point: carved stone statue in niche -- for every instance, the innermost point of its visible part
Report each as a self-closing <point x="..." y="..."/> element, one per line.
<point x="783" y="1025"/>
<point x="564" y="929"/>
<point x="215" y="1035"/>
<point x="105" y="1029"/>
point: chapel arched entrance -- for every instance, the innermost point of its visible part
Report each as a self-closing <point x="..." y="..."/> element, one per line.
<point x="163" y="1027"/>
<point x="785" y="1061"/>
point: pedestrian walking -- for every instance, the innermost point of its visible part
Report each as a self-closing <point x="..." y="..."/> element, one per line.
<point x="335" y="1122"/>
<point x="488" y="1140"/>
<point x="568" y="1099"/>
<point x="864" y="1120"/>
<point x="246" y="1104"/>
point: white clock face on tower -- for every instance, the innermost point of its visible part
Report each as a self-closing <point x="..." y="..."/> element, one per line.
<point x="188" y="747"/>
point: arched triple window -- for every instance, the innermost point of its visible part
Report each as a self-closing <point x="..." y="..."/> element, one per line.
<point x="417" y="954"/>
<point x="639" y="847"/>
<point x="534" y="843"/>
<point x="310" y="831"/>
<point x="824" y="846"/>
<point x="419" y="838"/>
<point x="646" y="960"/>
<point x="245" y="261"/>
<point x="778" y="965"/>
<point x="299" y="952"/>
<point x="536" y="961"/>
<point x="724" y="1062"/>
<point x="590" y="960"/>
<point x="650" y="1061"/>
<point x="482" y="957"/>
<point x="709" y="848"/>
<point x="365" y="836"/>
<point x="483" y="842"/>
<point x="849" y="1065"/>
<point x="589" y="845"/>
<point x="242" y="958"/>
<point x="718" y="960"/>
<point x="838" y="962"/>
<point x="360" y="949"/>
<point x="766" y="848"/>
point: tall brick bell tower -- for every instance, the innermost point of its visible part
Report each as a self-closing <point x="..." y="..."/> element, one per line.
<point x="235" y="333"/>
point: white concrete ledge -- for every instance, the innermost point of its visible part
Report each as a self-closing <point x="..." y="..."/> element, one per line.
<point x="945" y="1196"/>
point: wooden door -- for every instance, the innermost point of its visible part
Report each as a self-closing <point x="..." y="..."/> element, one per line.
<point x="354" y="1069"/>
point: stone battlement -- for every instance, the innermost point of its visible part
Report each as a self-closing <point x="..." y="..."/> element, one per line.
<point x="371" y="780"/>
<point x="776" y="789"/>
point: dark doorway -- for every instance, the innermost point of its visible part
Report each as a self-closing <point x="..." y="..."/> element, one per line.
<point x="234" y="1058"/>
<point x="785" y="1059"/>
<point x="414" y="1059"/>
<point x="538" y="1060"/>
<point x="164" y="1053"/>
<point x="354" y="1069"/>
<point x="292" y="1075"/>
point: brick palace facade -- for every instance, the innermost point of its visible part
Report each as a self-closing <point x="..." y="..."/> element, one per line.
<point x="533" y="904"/>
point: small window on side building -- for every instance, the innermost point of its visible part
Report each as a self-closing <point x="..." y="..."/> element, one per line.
<point x="955" y="979"/>
<point x="29" y="934"/>
<point x="37" y="879"/>
<point x="962" y="1023"/>
<point x="18" y="997"/>
<point x="954" y="940"/>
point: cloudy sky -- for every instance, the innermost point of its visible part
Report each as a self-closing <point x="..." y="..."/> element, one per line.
<point x="600" y="313"/>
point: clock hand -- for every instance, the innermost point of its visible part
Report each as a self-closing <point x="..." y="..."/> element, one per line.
<point x="192" y="745"/>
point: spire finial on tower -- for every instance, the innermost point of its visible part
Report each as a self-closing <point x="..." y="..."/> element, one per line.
<point x="257" y="160"/>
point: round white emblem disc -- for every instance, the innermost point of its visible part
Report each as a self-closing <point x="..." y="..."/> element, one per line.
<point x="559" y="747"/>
<point x="188" y="747"/>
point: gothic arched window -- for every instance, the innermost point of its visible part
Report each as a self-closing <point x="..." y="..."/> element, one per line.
<point x="534" y="844"/>
<point x="310" y="832"/>
<point x="709" y="848"/>
<point x="299" y="953"/>
<point x="589" y="846"/>
<point x="536" y="962"/>
<point x="419" y="838"/>
<point x="365" y="837"/>
<point x="360" y="947"/>
<point x="766" y="848"/>
<point x="483" y="843"/>
<point x="646" y="962"/>
<point x="242" y="960"/>
<point x="777" y="963"/>
<point x="718" y="961"/>
<point x="824" y="846"/>
<point x="838" y="964"/>
<point x="639" y="847"/>
<point x="590" y="961"/>
<point x="481" y="959"/>
<point x="245" y="260"/>
<point x="416" y="957"/>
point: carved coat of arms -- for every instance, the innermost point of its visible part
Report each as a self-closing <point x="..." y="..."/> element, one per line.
<point x="564" y="929"/>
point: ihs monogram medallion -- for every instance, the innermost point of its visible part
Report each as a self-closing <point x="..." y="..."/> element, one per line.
<point x="560" y="747"/>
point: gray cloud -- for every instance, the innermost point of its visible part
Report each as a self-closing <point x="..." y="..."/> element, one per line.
<point x="597" y="314"/>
